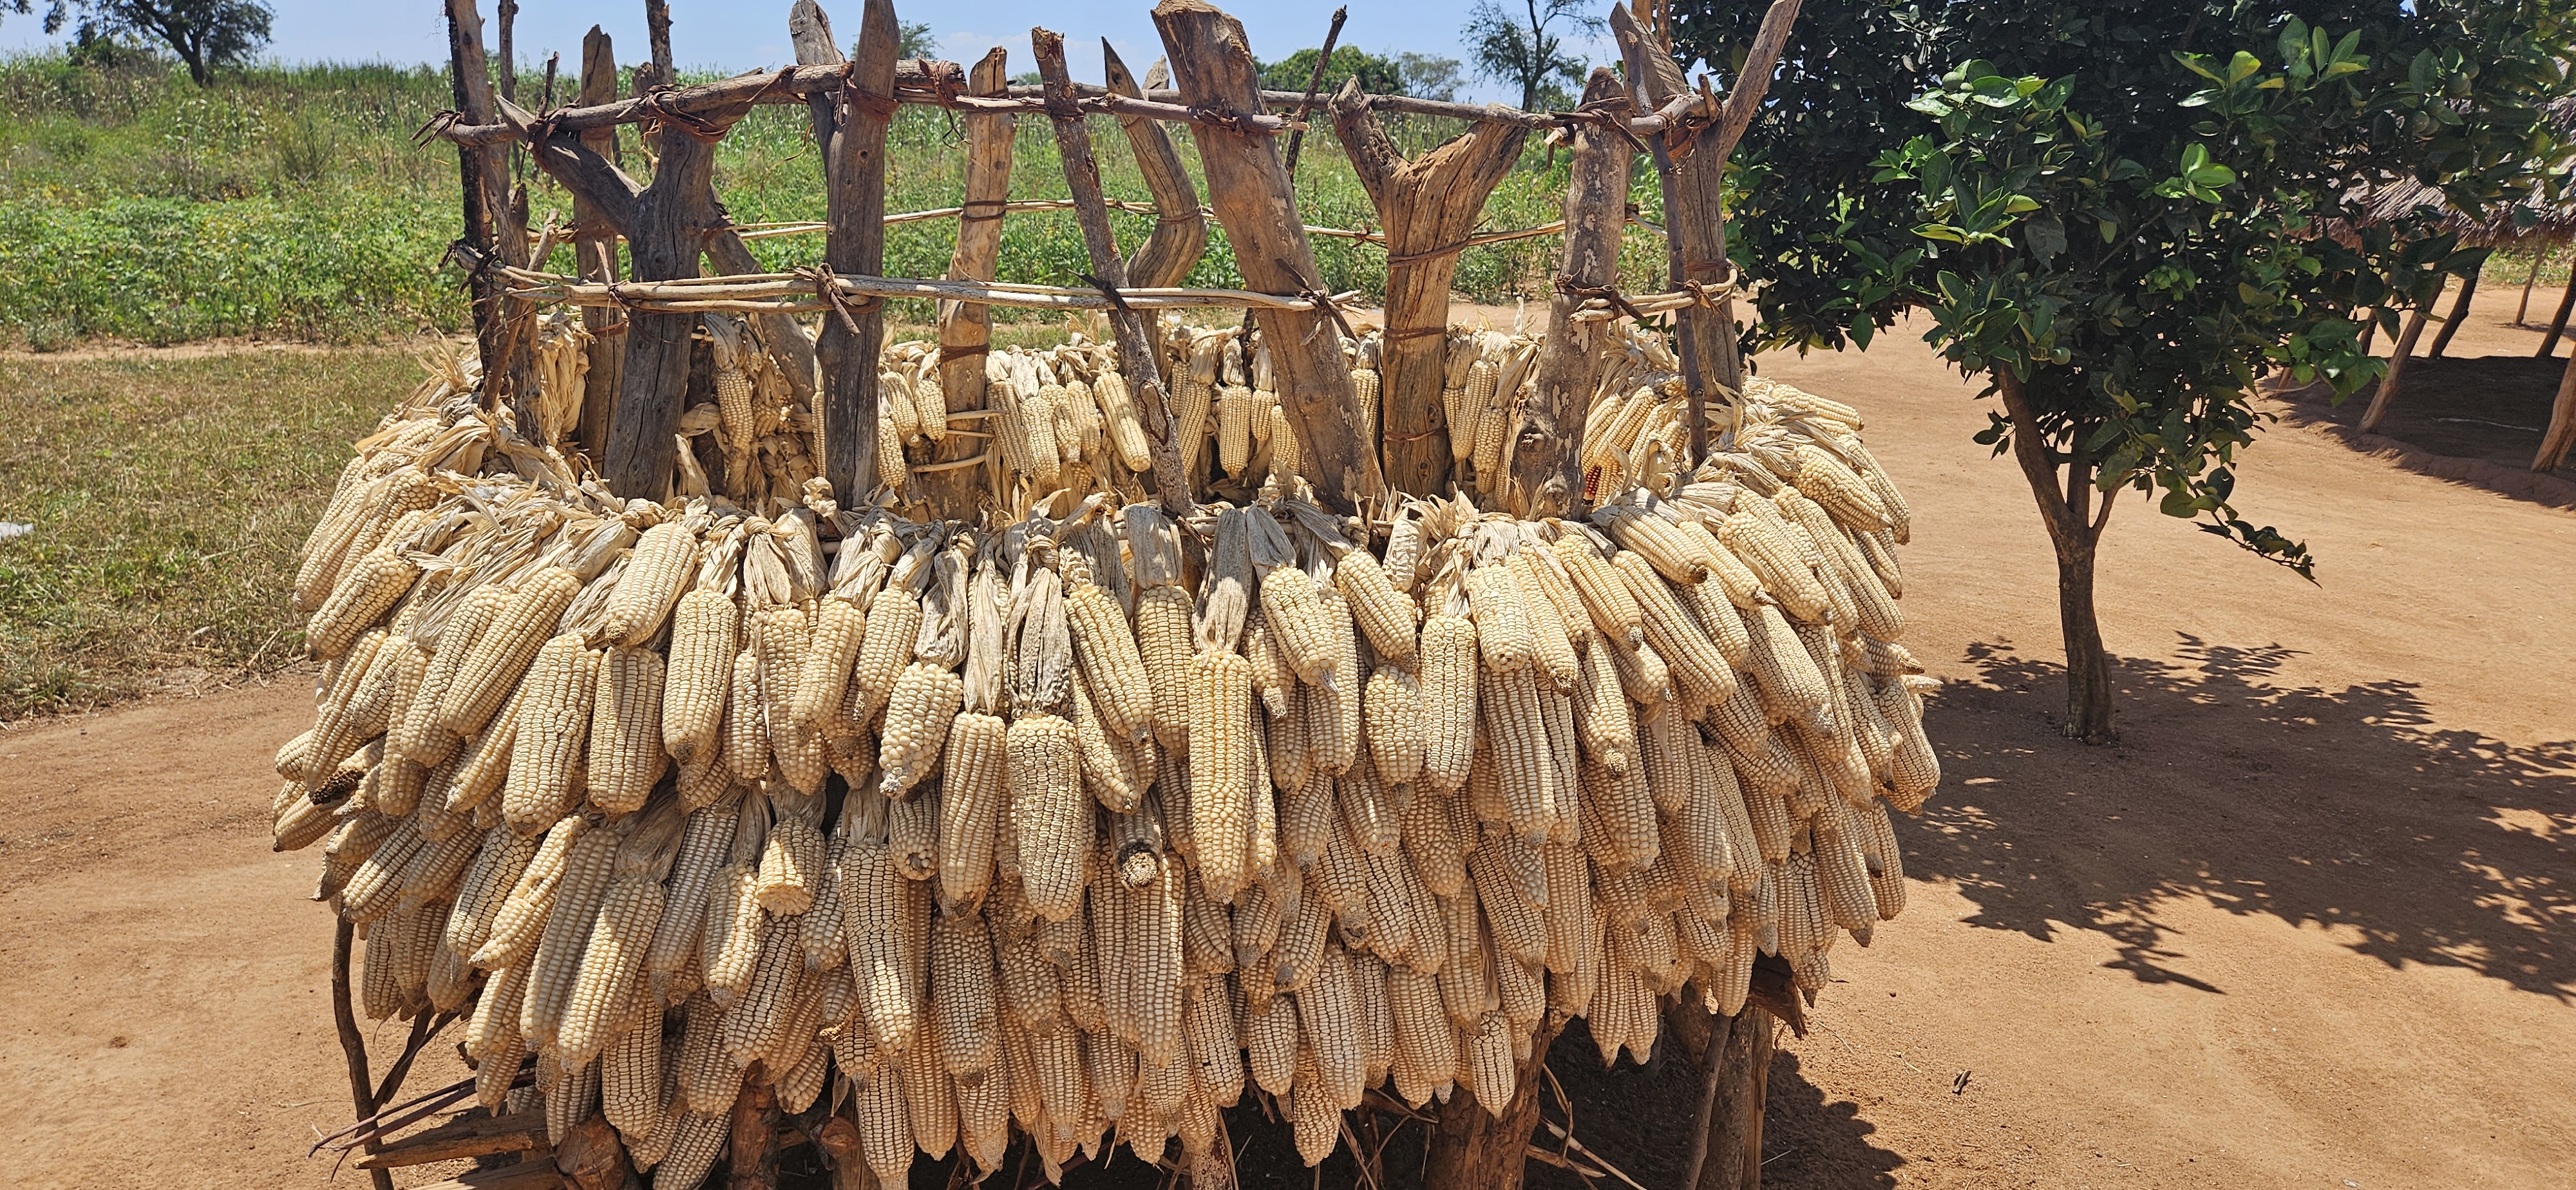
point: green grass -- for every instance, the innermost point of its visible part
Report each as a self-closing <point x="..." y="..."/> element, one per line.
<point x="169" y="497"/>
<point x="290" y="202"/>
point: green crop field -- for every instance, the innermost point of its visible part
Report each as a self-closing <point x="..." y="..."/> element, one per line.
<point x="293" y="203"/>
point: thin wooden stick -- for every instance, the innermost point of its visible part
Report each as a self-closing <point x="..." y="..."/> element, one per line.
<point x="353" y="1045"/>
<point x="1135" y="345"/>
<point x="1314" y="84"/>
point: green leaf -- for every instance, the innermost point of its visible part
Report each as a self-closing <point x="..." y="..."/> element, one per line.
<point x="2242" y="67"/>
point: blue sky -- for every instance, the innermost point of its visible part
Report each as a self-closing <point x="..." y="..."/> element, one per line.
<point x="737" y="36"/>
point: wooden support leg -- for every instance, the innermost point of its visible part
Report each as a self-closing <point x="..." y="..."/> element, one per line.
<point x="1475" y="1149"/>
<point x="2387" y="394"/>
<point x="1180" y="233"/>
<point x="2558" y="322"/>
<point x="1428" y="206"/>
<point x="353" y="1044"/>
<point x="2562" y="424"/>
<point x="670" y="216"/>
<point x="965" y="328"/>
<point x="1547" y="435"/>
<point x="2522" y="309"/>
<point x="2459" y="314"/>
<point x="753" y="1129"/>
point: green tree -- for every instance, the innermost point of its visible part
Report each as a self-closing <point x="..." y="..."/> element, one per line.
<point x="2120" y="233"/>
<point x="1378" y="75"/>
<point x="206" y="34"/>
<point x="915" y="40"/>
<point x="1430" y="76"/>
<point x="1520" y="50"/>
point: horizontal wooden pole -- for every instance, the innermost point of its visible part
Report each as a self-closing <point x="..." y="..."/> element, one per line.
<point x="940" y="84"/>
<point x="468" y="1136"/>
<point x="764" y="291"/>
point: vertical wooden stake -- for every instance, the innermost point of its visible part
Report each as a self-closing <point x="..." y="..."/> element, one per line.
<point x="657" y="32"/>
<point x="353" y="1044"/>
<point x="2562" y="424"/>
<point x="965" y="328"/>
<point x="753" y="1143"/>
<point x="1135" y="335"/>
<point x="1473" y="1149"/>
<point x="665" y="239"/>
<point x="1428" y="206"/>
<point x="508" y="71"/>
<point x="854" y="206"/>
<point x="1546" y="467"/>
<point x="2558" y="322"/>
<point x="495" y="224"/>
<point x="1172" y="249"/>
<point x="2397" y="357"/>
<point x="596" y="252"/>
<point x="1212" y="64"/>
<point x="2459" y="314"/>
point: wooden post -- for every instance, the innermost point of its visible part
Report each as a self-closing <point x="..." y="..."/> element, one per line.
<point x="508" y="71"/>
<point x="353" y="1044"/>
<point x="2538" y="257"/>
<point x="665" y="238"/>
<point x="1212" y="65"/>
<point x="966" y="328"/>
<point x="1135" y="336"/>
<point x="1172" y="249"/>
<point x="753" y="1143"/>
<point x="2397" y="357"/>
<point x="1475" y="1149"/>
<point x="657" y="33"/>
<point x="2459" y="314"/>
<point x="495" y="224"/>
<point x="596" y="251"/>
<point x="1545" y="447"/>
<point x="1429" y="206"/>
<point x="1741" y="1047"/>
<point x="2562" y="424"/>
<point x="2558" y="322"/>
<point x="854" y="205"/>
<point x="592" y="1157"/>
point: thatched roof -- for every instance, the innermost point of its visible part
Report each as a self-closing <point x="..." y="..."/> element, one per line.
<point x="2535" y="216"/>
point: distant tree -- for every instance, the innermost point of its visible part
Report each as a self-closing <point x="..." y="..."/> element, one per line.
<point x="1377" y="75"/>
<point x="1430" y="76"/>
<point x="206" y="34"/>
<point x="1523" y="52"/>
<point x="916" y="41"/>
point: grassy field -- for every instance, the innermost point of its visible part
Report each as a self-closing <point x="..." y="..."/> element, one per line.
<point x="292" y="203"/>
<point x="168" y="497"/>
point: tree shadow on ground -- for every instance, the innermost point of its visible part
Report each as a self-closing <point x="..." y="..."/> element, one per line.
<point x="2345" y="809"/>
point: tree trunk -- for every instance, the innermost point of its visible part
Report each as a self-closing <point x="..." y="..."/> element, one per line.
<point x="2088" y="666"/>
<point x="1546" y="445"/>
<point x="1428" y="206"/>
<point x="2459" y="314"/>
<point x="2522" y="309"/>
<point x="2562" y="424"/>
<point x="2397" y="357"/>
<point x="1474" y="1149"/>
<point x="2558" y="322"/>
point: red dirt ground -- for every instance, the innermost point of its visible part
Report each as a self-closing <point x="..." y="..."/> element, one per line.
<point x="2305" y="926"/>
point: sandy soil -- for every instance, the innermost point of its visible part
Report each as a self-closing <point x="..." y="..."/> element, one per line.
<point x="2305" y="926"/>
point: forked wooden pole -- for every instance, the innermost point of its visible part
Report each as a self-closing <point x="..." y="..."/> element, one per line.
<point x="1212" y="64"/>
<point x="353" y="1044"/>
<point x="496" y="226"/>
<point x="1135" y="338"/>
<point x="1546" y="466"/>
<point x="855" y="207"/>
<point x="1429" y="207"/>
<point x="1180" y="234"/>
<point x="665" y="237"/>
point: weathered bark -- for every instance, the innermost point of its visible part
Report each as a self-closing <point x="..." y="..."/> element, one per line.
<point x="1135" y="340"/>
<point x="2562" y="424"/>
<point x="2398" y="356"/>
<point x="592" y="1157"/>
<point x="595" y="254"/>
<point x="507" y="70"/>
<point x="1473" y="1149"/>
<point x="839" y="1140"/>
<point x="2075" y="531"/>
<point x="657" y="33"/>
<point x="1734" y="1129"/>
<point x="1428" y="206"/>
<point x="665" y="239"/>
<point x="1545" y="463"/>
<point x="2459" y="314"/>
<point x="854" y="206"/>
<point x="966" y="328"/>
<point x="1172" y="249"/>
<point x="473" y="1134"/>
<point x="1213" y="65"/>
<point x="752" y="1150"/>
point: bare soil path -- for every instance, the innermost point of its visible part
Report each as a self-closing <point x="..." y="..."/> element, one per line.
<point x="2308" y="925"/>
